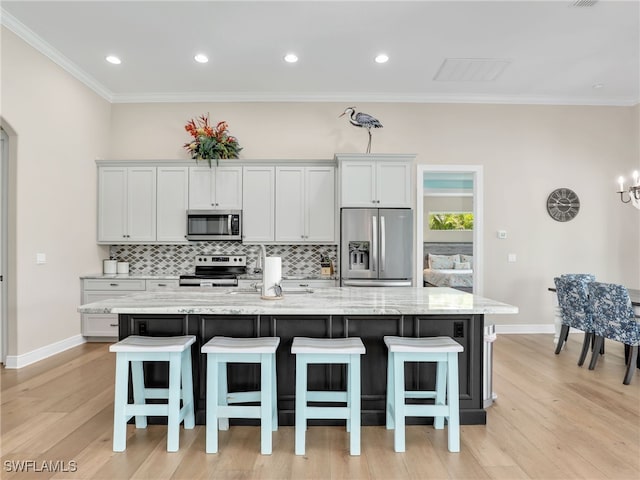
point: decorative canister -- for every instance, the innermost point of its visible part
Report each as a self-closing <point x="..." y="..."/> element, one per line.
<point x="109" y="267"/>
<point x="123" y="267"/>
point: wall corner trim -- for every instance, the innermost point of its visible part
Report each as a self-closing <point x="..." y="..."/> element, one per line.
<point x="19" y="361"/>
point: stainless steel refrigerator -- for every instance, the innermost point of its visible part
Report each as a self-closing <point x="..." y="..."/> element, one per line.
<point x="376" y="248"/>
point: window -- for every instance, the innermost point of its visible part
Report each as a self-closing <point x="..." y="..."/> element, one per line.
<point x="451" y="220"/>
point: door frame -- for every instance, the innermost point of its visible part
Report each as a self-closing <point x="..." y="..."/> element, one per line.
<point x="478" y="221"/>
<point x="4" y="201"/>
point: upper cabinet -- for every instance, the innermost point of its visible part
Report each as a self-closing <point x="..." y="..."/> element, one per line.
<point x="172" y="203"/>
<point x="126" y="204"/>
<point x="258" y="200"/>
<point x="377" y="181"/>
<point x="305" y="204"/>
<point x="215" y="188"/>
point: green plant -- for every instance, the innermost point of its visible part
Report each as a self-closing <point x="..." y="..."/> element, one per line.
<point x="451" y="221"/>
<point x="210" y="143"/>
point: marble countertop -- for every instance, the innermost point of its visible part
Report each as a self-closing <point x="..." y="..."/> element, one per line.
<point x="322" y="301"/>
<point x="245" y="276"/>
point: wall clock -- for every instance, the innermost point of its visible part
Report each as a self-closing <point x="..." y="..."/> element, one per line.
<point x="563" y="204"/>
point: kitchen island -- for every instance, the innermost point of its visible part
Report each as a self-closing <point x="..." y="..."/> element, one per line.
<point x="368" y="313"/>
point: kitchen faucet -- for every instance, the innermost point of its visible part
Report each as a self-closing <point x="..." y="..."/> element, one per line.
<point x="260" y="260"/>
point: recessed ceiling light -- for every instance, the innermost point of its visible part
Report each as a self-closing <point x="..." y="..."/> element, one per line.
<point x="201" y="58"/>
<point x="291" y="58"/>
<point x="113" y="59"/>
<point x="382" y="58"/>
<point x="597" y="86"/>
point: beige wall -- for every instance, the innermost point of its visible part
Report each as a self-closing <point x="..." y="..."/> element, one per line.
<point x="61" y="127"/>
<point x="526" y="152"/>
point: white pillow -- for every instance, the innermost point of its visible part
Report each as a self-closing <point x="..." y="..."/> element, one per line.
<point x="461" y="265"/>
<point x="466" y="258"/>
<point x="441" y="262"/>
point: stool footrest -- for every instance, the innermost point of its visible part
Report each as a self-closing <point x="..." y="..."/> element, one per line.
<point x="243" y="397"/>
<point x="327" y="412"/>
<point x="426" y="410"/>
<point x="322" y="396"/>
<point x="415" y="394"/>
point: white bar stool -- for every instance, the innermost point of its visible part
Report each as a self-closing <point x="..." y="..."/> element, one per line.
<point x="223" y="350"/>
<point x="442" y="350"/>
<point x="325" y="351"/>
<point x="135" y="350"/>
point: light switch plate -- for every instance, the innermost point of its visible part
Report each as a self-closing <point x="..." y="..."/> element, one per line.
<point x="41" y="258"/>
<point x="511" y="258"/>
<point x="502" y="234"/>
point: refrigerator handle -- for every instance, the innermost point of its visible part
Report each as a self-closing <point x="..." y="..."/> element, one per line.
<point x="374" y="226"/>
<point x="383" y="234"/>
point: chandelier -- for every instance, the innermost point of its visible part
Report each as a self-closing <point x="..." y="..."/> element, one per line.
<point x="633" y="192"/>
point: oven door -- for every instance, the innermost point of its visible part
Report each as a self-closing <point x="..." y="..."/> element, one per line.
<point x="214" y="225"/>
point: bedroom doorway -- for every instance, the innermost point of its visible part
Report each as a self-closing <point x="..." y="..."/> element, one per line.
<point x="451" y="195"/>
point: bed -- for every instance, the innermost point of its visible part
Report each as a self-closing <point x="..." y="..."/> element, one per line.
<point x="448" y="265"/>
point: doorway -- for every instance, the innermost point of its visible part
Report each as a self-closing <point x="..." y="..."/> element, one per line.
<point x="4" y="196"/>
<point x="455" y="190"/>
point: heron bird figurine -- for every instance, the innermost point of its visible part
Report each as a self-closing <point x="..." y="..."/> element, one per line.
<point x="362" y="120"/>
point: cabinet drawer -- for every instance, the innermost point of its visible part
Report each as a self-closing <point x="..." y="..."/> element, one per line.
<point x="99" y="325"/>
<point x="90" y="297"/>
<point x="114" y="284"/>
<point x="156" y="285"/>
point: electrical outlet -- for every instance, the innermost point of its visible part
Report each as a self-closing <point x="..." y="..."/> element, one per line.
<point x="142" y="328"/>
<point x="458" y="329"/>
<point x="511" y="258"/>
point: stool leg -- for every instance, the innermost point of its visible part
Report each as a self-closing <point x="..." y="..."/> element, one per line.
<point x="301" y="404"/>
<point x="441" y="392"/>
<point x="398" y="387"/>
<point x="223" y="386"/>
<point x="187" y="390"/>
<point x="390" y="392"/>
<point x="265" y="403"/>
<point x="453" y="400"/>
<point x="120" y="402"/>
<point x="137" y="380"/>
<point x="354" y="396"/>
<point x="173" y="421"/>
<point x="212" y="404"/>
<point x="274" y="393"/>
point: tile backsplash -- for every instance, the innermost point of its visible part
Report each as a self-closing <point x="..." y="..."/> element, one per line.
<point x="178" y="259"/>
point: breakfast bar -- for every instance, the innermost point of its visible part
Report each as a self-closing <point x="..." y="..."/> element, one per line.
<point x="367" y="313"/>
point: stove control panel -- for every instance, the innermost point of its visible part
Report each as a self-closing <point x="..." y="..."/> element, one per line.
<point x="221" y="261"/>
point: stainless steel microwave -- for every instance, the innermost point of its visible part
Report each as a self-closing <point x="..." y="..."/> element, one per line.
<point x="214" y="225"/>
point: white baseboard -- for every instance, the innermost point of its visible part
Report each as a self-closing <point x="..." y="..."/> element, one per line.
<point x="525" y="329"/>
<point x="19" y="361"/>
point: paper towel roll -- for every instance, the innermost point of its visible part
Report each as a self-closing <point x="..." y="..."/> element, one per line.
<point x="272" y="275"/>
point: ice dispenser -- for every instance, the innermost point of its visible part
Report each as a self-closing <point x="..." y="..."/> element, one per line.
<point x="358" y="255"/>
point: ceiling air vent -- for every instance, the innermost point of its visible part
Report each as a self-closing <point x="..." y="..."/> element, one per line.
<point x="584" y="3"/>
<point x="471" y="69"/>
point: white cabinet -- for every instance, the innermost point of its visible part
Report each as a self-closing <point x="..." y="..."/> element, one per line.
<point x="304" y="283"/>
<point x="375" y="182"/>
<point x="172" y="204"/>
<point x="305" y="204"/>
<point x="217" y="188"/>
<point x="94" y="290"/>
<point x="126" y="204"/>
<point x="258" y="204"/>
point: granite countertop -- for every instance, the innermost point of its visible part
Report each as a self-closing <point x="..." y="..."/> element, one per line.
<point x="245" y="276"/>
<point x="323" y="301"/>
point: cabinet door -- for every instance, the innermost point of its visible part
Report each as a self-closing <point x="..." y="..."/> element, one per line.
<point x="290" y="204"/>
<point x="141" y="204"/>
<point x="393" y="184"/>
<point x="258" y="200"/>
<point x="201" y="188"/>
<point x="320" y="204"/>
<point x="358" y="184"/>
<point x="112" y="205"/>
<point x="228" y="188"/>
<point x="172" y="204"/>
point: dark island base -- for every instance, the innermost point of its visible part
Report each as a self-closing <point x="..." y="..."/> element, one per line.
<point x="465" y="329"/>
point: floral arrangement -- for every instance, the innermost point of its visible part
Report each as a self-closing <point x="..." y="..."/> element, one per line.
<point x="210" y="143"/>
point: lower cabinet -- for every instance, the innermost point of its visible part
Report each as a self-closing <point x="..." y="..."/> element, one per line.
<point x="105" y="326"/>
<point x="465" y="329"/>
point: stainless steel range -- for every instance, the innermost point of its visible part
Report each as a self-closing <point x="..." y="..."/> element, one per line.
<point x="216" y="271"/>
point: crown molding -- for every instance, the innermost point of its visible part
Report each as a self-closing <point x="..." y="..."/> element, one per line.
<point x="341" y="97"/>
<point x="25" y="33"/>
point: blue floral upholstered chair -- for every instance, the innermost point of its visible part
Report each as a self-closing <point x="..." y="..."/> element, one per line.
<point x="613" y="318"/>
<point x="574" y="305"/>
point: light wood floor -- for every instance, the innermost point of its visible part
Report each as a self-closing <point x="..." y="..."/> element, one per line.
<point x="552" y="420"/>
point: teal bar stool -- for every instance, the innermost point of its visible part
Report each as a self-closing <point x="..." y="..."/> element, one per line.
<point x="442" y="350"/>
<point x="327" y="351"/>
<point x="134" y="350"/>
<point x="220" y="408"/>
